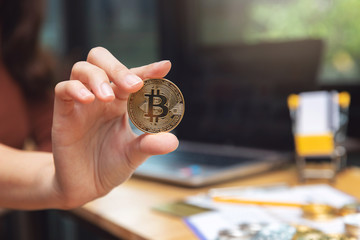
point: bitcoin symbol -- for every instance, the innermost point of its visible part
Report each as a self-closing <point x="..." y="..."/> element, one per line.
<point x="157" y="107"/>
<point x="160" y="104"/>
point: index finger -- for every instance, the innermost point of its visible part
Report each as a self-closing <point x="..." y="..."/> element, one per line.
<point x="118" y="73"/>
<point x="153" y="70"/>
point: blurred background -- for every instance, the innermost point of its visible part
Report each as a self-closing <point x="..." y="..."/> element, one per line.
<point x="132" y="29"/>
<point x="276" y="47"/>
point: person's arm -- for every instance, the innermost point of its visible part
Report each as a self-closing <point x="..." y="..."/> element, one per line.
<point x="94" y="148"/>
<point x="27" y="180"/>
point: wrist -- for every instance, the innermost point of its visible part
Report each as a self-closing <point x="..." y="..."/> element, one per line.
<point x="57" y="195"/>
<point x="48" y="187"/>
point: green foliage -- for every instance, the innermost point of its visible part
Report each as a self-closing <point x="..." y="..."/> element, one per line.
<point x="334" y="21"/>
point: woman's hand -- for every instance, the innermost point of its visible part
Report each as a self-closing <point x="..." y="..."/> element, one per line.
<point x="93" y="145"/>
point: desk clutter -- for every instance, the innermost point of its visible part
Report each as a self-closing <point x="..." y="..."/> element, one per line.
<point x="280" y="232"/>
<point x="319" y="121"/>
<point x="275" y="212"/>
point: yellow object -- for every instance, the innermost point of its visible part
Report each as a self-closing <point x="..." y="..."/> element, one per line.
<point x="265" y="203"/>
<point x="317" y="118"/>
<point x="314" y="144"/>
<point x="293" y="101"/>
<point x="344" y="99"/>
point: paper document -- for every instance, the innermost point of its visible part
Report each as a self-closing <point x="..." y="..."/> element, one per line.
<point x="228" y="215"/>
<point x="318" y="113"/>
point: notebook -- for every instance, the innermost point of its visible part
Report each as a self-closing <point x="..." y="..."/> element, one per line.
<point x="236" y="120"/>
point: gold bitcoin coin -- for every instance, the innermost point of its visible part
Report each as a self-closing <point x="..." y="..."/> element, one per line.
<point x="352" y="225"/>
<point x="350" y="208"/>
<point x="315" y="235"/>
<point x="307" y="233"/>
<point x="319" y="212"/>
<point x="157" y="107"/>
<point x="339" y="237"/>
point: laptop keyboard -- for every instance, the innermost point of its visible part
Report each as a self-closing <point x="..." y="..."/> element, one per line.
<point x="179" y="158"/>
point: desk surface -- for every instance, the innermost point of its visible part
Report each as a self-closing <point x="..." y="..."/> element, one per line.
<point x="126" y="211"/>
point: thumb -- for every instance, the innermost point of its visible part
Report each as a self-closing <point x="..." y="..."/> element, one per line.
<point x="147" y="145"/>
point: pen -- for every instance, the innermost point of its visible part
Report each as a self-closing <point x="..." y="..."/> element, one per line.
<point x="263" y="203"/>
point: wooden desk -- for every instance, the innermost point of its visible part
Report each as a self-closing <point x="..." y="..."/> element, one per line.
<point x="126" y="211"/>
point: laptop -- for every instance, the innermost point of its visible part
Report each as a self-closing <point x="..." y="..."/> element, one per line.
<point x="236" y="121"/>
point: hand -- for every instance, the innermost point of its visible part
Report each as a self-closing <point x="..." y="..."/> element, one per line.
<point x="93" y="145"/>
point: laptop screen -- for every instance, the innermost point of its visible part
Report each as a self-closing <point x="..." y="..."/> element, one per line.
<point x="240" y="95"/>
<point x="235" y="89"/>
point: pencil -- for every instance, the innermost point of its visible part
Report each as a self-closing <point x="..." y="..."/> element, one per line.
<point x="263" y="203"/>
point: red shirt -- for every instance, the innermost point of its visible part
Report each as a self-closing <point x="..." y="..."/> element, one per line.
<point x="21" y="119"/>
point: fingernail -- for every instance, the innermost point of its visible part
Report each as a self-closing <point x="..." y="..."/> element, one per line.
<point x="158" y="64"/>
<point x="132" y="80"/>
<point x="85" y="92"/>
<point x="106" y="89"/>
